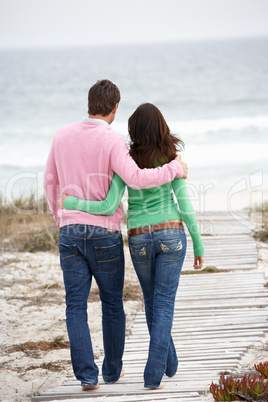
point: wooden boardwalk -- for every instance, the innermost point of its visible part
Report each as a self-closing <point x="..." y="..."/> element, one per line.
<point x="218" y="317"/>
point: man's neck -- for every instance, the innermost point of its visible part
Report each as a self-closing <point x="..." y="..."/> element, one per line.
<point x="100" y="117"/>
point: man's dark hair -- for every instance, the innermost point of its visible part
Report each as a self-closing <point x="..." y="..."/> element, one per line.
<point x="102" y="98"/>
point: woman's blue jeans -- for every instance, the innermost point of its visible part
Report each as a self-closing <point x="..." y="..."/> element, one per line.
<point x="158" y="258"/>
<point x="87" y="251"/>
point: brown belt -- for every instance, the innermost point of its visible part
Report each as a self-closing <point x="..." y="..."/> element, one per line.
<point x="154" y="228"/>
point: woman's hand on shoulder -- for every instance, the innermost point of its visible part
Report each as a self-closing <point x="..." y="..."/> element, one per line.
<point x="198" y="262"/>
<point x="61" y="200"/>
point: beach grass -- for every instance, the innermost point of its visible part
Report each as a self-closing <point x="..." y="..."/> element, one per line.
<point x="260" y="207"/>
<point x="45" y="346"/>
<point x="27" y="225"/>
<point x="210" y="269"/>
<point x="261" y="233"/>
<point x="35" y="349"/>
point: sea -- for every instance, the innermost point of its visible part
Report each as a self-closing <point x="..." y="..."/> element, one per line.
<point x="213" y="95"/>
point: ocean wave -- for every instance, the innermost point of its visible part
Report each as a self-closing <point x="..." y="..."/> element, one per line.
<point x="206" y="126"/>
<point x="184" y="126"/>
<point x="232" y="123"/>
<point x="214" y="139"/>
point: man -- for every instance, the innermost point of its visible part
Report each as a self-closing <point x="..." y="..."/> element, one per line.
<point x="83" y="157"/>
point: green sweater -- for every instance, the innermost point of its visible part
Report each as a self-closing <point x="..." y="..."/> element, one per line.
<point x="146" y="207"/>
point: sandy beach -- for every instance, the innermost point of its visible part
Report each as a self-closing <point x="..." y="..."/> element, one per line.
<point x="33" y="311"/>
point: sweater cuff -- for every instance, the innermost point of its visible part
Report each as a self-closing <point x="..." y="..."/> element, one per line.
<point x="179" y="170"/>
<point x="69" y="202"/>
<point x="199" y="251"/>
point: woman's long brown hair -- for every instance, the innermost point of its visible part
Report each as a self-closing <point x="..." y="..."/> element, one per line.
<point x="152" y="144"/>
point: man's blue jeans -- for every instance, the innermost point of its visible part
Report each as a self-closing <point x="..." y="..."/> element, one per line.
<point x="87" y="251"/>
<point x="157" y="258"/>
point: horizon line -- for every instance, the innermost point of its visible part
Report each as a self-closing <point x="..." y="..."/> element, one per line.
<point x="133" y="43"/>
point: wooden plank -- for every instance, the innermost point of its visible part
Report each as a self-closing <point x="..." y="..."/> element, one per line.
<point x="188" y="353"/>
<point x="107" y="391"/>
<point x="179" y="396"/>
<point x="220" y="286"/>
<point x="205" y="315"/>
<point x="177" y="332"/>
<point x="137" y="379"/>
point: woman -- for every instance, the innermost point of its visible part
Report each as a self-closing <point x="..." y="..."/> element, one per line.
<point x="157" y="239"/>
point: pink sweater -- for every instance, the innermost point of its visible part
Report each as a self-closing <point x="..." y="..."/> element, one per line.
<point x="82" y="159"/>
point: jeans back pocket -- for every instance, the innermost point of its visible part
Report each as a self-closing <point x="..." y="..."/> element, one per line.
<point x="172" y="249"/>
<point x="108" y="257"/>
<point x="139" y="253"/>
<point x="69" y="256"/>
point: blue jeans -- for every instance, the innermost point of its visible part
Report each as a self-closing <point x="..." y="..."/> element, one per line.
<point x="157" y="258"/>
<point x="87" y="251"/>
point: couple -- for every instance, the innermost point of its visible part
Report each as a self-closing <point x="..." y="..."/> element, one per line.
<point x="88" y="160"/>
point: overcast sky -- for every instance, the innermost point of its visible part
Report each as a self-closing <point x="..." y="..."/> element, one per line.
<point x="38" y="23"/>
